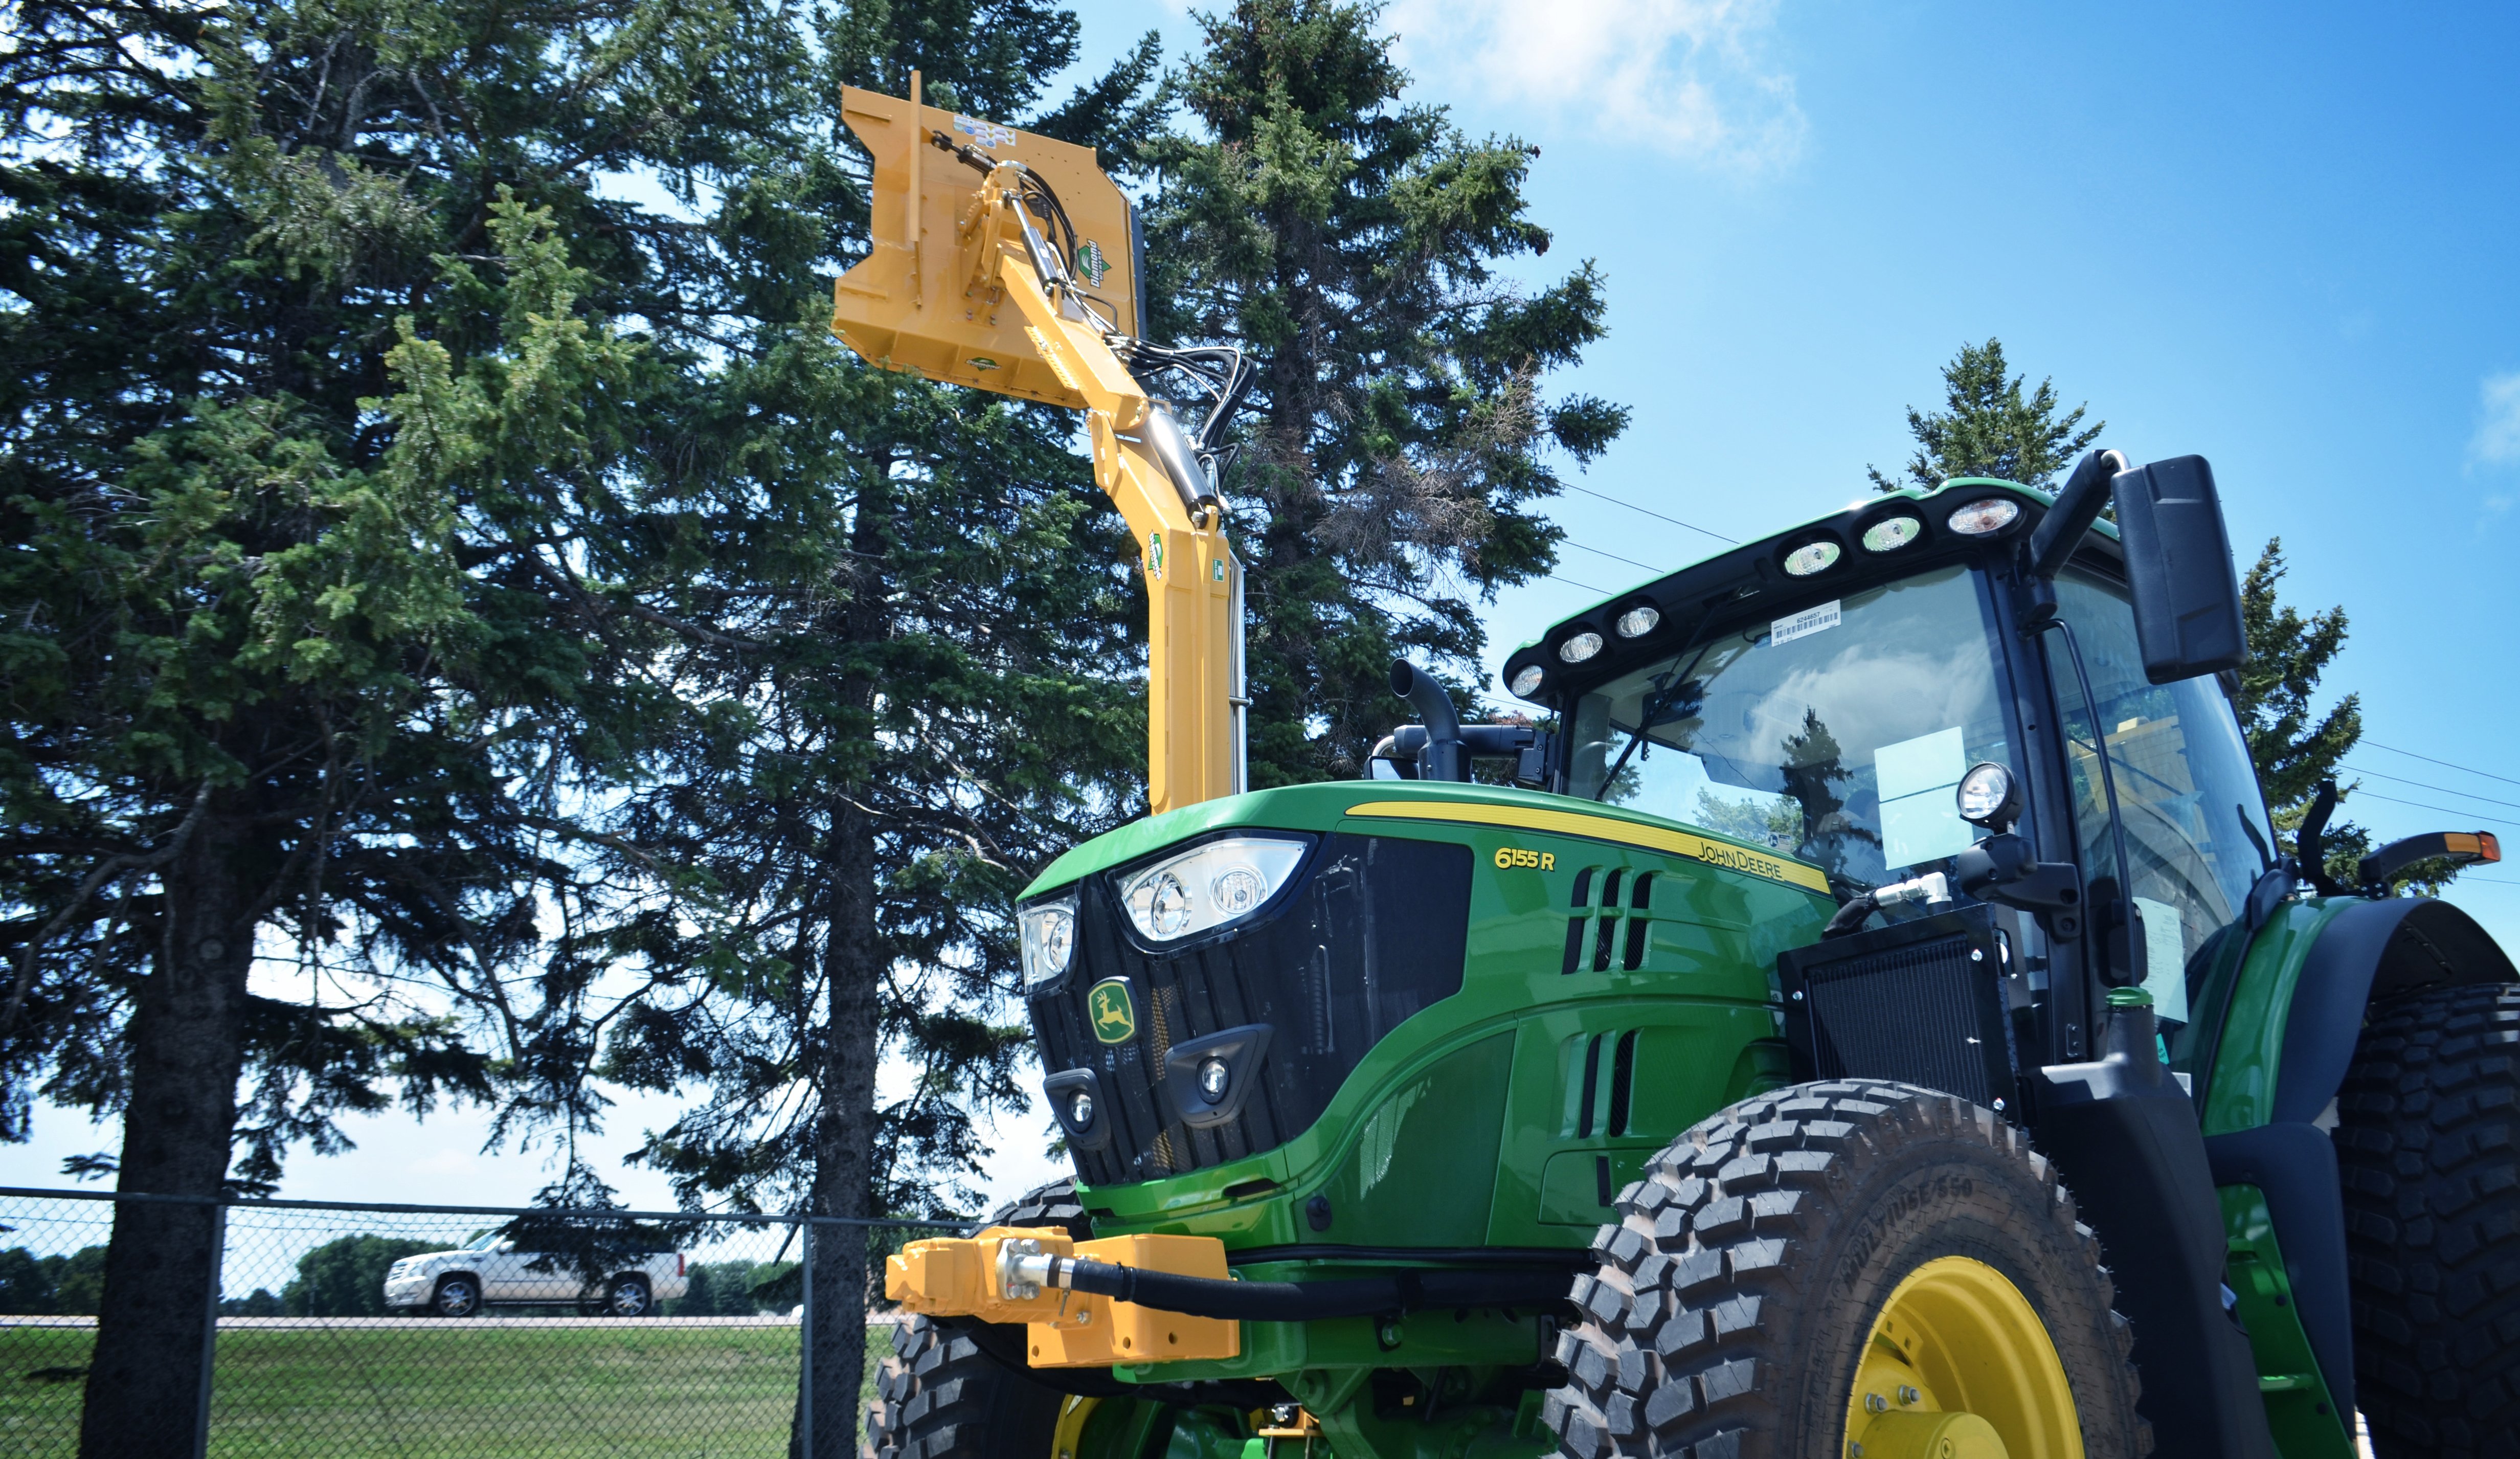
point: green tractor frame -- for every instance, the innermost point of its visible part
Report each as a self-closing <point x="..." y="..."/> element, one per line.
<point x="1584" y="1134"/>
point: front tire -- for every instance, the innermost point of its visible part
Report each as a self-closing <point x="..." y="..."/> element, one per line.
<point x="455" y="1296"/>
<point x="2428" y="1146"/>
<point x="941" y="1395"/>
<point x="1777" y="1284"/>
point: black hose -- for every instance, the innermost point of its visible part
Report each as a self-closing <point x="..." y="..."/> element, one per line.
<point x="1850" y="918"/>
<point x="1306" y="1301"/>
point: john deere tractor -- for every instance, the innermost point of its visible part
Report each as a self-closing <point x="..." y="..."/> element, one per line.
<point x="1872" y="1018"/>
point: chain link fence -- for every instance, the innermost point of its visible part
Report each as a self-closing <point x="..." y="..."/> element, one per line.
<point x="398" y="1331"/>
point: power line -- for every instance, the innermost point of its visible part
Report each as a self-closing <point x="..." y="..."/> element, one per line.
<point x="2421" y="786"/>
<point x="1612" y="556"/>
<point x="2446" y="765"/>
<point x="1649" y="512"/>
<point x="1573" y="584"/>
<point x="2420" y="806"/>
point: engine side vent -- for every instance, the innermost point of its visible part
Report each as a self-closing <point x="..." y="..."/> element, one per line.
<point x="1920" y="1002"/>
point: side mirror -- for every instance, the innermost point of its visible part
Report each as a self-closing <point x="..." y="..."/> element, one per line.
<point x="2178" y="559"/>
<point x="2179" y="564"/>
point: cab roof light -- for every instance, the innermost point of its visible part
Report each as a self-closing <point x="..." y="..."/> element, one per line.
<point x="1891" y="533"/>
<point x="1579" y="646"/>
<point x="1817" y="556"/>
<point x="1527" y="680"/>
<point x="1984" y="517"/>
<point x="1639" y="620"/>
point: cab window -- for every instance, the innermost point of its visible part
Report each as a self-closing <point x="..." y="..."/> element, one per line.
<point x="2196" y="834"/>
<point x="1836" y="734"/>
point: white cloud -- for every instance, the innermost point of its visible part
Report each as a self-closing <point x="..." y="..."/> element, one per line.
<point x="2497" y="431"/>
<point x="1679" y="76"/>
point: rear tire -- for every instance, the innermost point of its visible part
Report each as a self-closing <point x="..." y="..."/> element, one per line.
<point x="939" y="1396"/>
<point x="629" y="1296"/>
<point x="1741" y="1287"/>
<point x="2428" y="1149"/>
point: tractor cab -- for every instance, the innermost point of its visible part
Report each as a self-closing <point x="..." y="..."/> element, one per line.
<point x="1826" y="693"/>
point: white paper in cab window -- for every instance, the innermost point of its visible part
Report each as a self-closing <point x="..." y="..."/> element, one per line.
<point x="1914" y="778"/>
<point x="2165" y="959"/>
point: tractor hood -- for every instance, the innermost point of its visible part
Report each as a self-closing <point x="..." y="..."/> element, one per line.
<point x="1449" y="811"/>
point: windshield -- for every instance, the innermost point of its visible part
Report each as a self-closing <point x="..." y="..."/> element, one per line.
<point x="1836" y="734"/>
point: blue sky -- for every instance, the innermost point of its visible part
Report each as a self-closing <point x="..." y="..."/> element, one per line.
<point x="2283" y="238"/>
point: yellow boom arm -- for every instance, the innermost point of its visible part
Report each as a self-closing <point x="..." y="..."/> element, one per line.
<point x="968" y="286"/>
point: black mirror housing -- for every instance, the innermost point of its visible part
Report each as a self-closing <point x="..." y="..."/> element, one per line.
<point x="2178" y="567"/>
<point x="2002" y="867"/>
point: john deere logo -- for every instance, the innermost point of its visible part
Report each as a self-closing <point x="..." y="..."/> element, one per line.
<point x="1107" y="1005"/>
<point x="1091" y="262"/>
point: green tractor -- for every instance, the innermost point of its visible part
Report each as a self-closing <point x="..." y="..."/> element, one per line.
<point x="1873" y="1018"/>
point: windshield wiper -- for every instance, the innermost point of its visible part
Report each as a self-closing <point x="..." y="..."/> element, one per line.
<point x="1651" y="710"/>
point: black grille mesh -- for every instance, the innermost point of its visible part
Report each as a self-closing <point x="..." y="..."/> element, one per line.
<point x="1922" y="1010"/>
<point x="1372" y="931"/>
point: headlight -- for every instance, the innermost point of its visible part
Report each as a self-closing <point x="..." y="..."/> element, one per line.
<point x="1049" y="938"/>
<point x="1208" y="887"/>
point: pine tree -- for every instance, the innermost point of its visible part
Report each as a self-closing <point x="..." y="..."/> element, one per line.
<point x="299" y="372"/>
<point x="2295" y="745"/>
<point x="1988" y="428"/>
<point x="414" y="541"/>
<point x="922" y="676"/>
<point x="1399" y="442"/>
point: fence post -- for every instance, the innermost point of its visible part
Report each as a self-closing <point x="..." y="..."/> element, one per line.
<point x="211" y="1327"/>
<point x="805" y="1329"/>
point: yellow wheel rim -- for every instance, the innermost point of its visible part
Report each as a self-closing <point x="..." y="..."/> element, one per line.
<point x="1958" y="1366"/>
<point x="1073" y="1411"/>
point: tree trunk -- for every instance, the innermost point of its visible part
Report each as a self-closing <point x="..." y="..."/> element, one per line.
<point x="844" y="1136"/>
<point x="145" y="1385"/>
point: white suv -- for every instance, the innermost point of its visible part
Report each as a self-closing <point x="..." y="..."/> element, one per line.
<point x="460" y="1283"/>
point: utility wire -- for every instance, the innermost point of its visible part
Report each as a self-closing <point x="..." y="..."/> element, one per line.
<point x="1649" y="511"/>
<point x="2420" y="806"/>
<point x="1612" y="556"/>
<point x="2446" y="765"/>
<point x="2421" y="786"/>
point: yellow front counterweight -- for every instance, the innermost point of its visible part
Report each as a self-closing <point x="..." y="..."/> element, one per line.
<point x="977" y="1276"/>
<point x="954" y="289"/>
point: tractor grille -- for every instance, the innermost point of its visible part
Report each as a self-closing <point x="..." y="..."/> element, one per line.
<point x="1372" y="929"/>
<point x="1920" y="1002"/>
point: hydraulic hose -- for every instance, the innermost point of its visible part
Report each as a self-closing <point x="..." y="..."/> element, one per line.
<point x="1298" y="1302"/>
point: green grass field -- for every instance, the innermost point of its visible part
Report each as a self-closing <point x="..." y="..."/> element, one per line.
<point x="423" y="1391"/>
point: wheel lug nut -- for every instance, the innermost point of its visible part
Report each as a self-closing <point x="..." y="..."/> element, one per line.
<point x="1908" y="1394"/>
<point x="1875" y="1403"/>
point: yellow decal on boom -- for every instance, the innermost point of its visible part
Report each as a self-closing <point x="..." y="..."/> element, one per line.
<point x="1618" y="832"/>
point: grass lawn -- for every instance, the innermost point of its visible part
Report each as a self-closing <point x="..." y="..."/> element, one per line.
<point x="423" y="1391"/>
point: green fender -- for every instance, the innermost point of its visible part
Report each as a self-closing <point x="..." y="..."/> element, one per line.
<point x="2282" y="1012"/>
